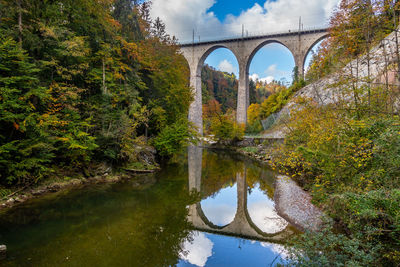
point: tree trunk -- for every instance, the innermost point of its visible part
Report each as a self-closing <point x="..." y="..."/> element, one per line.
<point x="19" y="21"/>
<point x="104" y="77"/>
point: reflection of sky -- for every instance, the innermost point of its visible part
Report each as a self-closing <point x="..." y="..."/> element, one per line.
<point x="230" y="251"/>
<point x="262" y="212"/>
<point x="198" y="250"/>
<point x="221" y="209"/>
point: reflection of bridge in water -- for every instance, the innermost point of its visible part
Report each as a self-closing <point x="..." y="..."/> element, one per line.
<point x="242" y="224"/>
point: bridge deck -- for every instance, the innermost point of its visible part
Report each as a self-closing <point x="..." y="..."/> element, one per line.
<point x="245" y="38"/>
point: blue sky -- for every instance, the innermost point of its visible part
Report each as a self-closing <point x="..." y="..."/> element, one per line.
<point x="215" y="19"/>
<point x="234" y="7"/>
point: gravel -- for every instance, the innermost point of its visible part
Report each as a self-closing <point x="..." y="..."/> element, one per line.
<point x="294" y="204"/>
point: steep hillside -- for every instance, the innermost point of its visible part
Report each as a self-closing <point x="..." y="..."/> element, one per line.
<point x="376" y="68"/>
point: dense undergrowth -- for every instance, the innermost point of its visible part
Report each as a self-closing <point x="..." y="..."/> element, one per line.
<point x="347" y="154"/>
<point x="83" y="82"/>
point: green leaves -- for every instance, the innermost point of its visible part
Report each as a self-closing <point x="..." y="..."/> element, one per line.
<point x="92" y="84"/>
<point x="175" y="137"/>
<point x="25" y="149"/>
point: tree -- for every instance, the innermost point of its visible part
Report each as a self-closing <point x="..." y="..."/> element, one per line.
<point x="25" y="147"/>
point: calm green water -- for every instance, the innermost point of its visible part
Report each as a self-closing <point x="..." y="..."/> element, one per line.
<point x="155" y="220"/>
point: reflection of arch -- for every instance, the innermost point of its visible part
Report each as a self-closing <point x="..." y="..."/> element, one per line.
<point x="261" y="45"/>
<point x="242" y="224"/>
<point x="206" y="220"/>
<point x="312" y="46"/>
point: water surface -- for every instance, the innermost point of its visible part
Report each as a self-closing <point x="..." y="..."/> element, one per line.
<point x="207" y="209"/>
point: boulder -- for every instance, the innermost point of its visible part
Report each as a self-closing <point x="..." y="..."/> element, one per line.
<point x="3" y="252"/>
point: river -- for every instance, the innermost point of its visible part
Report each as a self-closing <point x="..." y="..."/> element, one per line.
<point x="206" y="209"/>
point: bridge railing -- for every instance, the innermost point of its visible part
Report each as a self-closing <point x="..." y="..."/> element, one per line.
<point x="247" y="35"/>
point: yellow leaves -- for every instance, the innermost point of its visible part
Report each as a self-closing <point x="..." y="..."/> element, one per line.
<point x="253" y="113"/>
<point x="63" y="139"/>
<point x="114" y="23"/>
<point x="31" y="105"/>
<point x="77" y="146"/>
<point x="47" y="31"/>
<point x="76" y="46"/>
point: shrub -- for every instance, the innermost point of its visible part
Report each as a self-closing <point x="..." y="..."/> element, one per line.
<point x="225" y="128"/>
<point x="175" y="137"/>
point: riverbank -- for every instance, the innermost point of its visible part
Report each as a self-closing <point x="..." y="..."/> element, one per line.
<point x="101" y="175"/>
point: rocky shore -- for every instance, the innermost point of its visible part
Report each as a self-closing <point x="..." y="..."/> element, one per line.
<point x="294" y="205"/>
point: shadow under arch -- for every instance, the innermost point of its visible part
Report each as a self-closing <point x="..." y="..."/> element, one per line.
<point x="261" y="45"/>
<point x="326" y="36"/>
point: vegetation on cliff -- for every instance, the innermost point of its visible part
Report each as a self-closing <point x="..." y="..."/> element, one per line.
<point x="347" y="153"/>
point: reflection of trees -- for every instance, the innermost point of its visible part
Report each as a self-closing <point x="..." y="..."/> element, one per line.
<point x="108" y="226"/>
<point x="256" y="176"/>
<point x="219" y="171"/>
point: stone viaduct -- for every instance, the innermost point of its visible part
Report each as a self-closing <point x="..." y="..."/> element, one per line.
<point x="242" y="224"/>
<point x="299" y="44"/>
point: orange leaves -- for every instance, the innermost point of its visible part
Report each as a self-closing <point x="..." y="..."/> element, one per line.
<point x="212" y="108"/>
<point x="16" y="126"/>
<point x="130" y="48"/>
<point x="114" y="23"/>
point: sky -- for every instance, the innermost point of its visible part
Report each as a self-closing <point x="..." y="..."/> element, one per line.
<point x="214" y="19"/>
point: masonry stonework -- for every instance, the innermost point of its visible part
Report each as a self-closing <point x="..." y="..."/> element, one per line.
<point x="298" y="43"/>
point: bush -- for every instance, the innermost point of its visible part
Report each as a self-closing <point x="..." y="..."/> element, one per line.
<point x="253" y="119"/>
<point x="175" y="137"/>
<point x="327" y="248"/>
<point x="225" y="128"/>
<point x="350" y="165"/>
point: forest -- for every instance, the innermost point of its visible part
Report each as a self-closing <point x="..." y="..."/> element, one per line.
<point x="84" y="82"/>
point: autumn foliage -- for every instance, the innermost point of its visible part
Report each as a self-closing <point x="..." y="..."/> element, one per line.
<point x="83" y="82"/>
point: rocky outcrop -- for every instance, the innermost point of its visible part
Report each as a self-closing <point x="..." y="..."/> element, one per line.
<point x="327" y="90"/>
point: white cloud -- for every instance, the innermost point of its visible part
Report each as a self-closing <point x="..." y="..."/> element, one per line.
<point x="219" y="214"/>
<point x="264" y="215"/>
<point x="220" y="209"/>
<point x="182" y="16"/>
<point x="277" y="249"/>
<point x="266" y="79"/>
<point x="271" y="69"/>
<point x="254" y="77"/>
<point x="198" y="250"/>
<point x="226" y="66"/>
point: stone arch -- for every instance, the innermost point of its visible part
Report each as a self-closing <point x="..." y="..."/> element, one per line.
<point x="208" y="52"/>
<point x="196" y="58"/>
<point x="325" y="36"/>
<point x="261" y="45"/>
